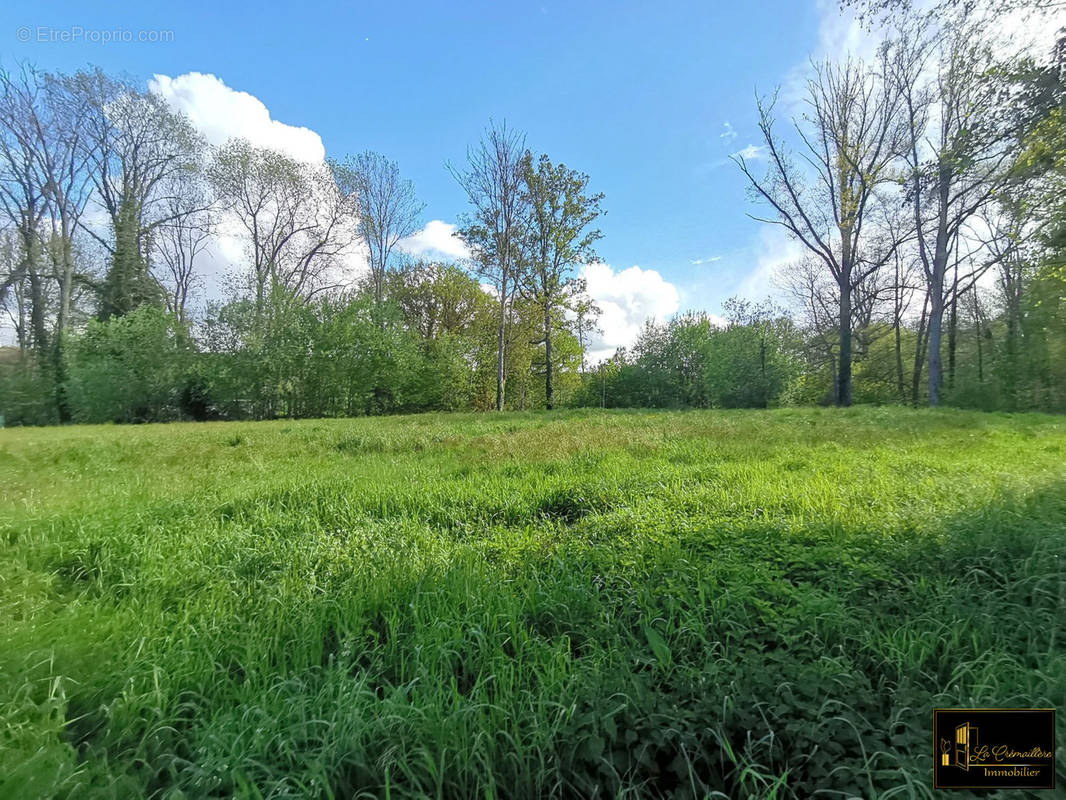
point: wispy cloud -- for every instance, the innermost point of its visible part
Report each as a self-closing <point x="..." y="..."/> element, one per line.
<point x="753" y="152"/>
<point x="727" y="134"/>
<point x="708" y="260"/>
<point x="774" y="252"/>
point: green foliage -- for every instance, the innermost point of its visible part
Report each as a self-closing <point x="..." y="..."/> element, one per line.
<point x="875" y="375"/>
<point x="692" y="362"/>
<point x="1045" y="316"/>
<point x="129" y="368"/>
<point x="295" y="358"/>
<point x="128" y="285"/>
<point x="27" y="390"/>
<point x="747" y="604"/>
<point x="751" y="361"/>
<point x="557" y="239"/>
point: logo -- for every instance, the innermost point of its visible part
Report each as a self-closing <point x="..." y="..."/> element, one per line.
<point x="994" y="748"/>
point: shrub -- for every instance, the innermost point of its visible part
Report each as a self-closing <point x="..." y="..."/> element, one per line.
<point x="128" y="369"/>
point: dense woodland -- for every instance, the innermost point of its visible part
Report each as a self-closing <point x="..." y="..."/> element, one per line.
<point x="926" y="185"/>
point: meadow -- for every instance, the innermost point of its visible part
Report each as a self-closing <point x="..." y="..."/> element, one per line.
<point x="750" y="604"/>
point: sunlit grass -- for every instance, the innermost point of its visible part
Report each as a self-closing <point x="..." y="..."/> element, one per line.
<point x="620" y="604"/>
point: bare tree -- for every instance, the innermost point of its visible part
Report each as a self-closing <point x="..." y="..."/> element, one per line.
<point x="63" y="164"/>
<point x="956" y="155"/>
<point x="297" y="223"/>
<point x="182" y="241"/>
<point x="44" y="188"/>
<point x="850" y="138"/>
<point x="493" y="180"/>
<point x="23" y="197"/>
<point x="900" y="285"/>
<point x="135" y="147"/>
<point x="388" y="209"/>
<point x="873" y="10"/>
<point x="814" y="291"/>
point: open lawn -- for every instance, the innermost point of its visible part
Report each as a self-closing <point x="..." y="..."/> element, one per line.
<point x="581" y="604"/>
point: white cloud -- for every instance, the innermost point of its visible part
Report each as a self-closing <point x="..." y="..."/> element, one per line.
<point x="727" y="134"/>
<point x="842" y="34"/>
<point x="436" y="240"/>
<point x="222" y="113"/>
<point x="627" y="299"/>
<point x="708" y="260"/>
<point x="753" y="152"/>
<point x="1032" y="32"/>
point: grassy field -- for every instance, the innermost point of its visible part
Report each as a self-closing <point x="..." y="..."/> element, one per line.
<point x="611" y="604"/>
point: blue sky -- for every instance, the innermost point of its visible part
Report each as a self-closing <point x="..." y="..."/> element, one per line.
<point x="636" y="94"/>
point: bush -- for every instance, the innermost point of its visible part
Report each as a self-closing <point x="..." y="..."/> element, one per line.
<point x="128" y="369"/>
<point x="27" y="392"/>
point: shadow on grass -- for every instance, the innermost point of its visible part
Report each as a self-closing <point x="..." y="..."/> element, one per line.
<point x="747" y="661"/>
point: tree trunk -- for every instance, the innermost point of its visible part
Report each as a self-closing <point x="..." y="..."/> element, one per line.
<point x="897" y="324"/>
<point x="500" y="332"/>
<point x="20" y="299"/>
<point x="1010" y="373"/>
<point x="953" y="329"/>
<point x="66" y="287"/>
<point x="38" y="324"/>
<point x="936" y="287"/>
<point x="899" y="363"/>
<point x="843" y="397"/>
<point x="836" y="375"/>
<point x="953" y="320"/>
<point x="919" y="349"/>
<point x="764" y="391"/>
<point x="549" y="392"/>
<point x="936" y="322"/>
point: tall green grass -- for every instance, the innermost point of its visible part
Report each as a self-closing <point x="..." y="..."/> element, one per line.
<point x="587" y="604"/>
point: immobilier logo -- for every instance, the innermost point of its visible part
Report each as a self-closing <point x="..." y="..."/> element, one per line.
<point x="994" y="748"/>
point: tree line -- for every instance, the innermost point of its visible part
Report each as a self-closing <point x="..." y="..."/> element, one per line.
<point x="111" y="201"/>
<point x="925" y="186"/>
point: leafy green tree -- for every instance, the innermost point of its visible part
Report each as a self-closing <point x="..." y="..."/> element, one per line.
<point x="558" y="239"/>
<point x="332" y="356"/>
<point x="750" y="362"/>
<point x="437" y="298"/>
